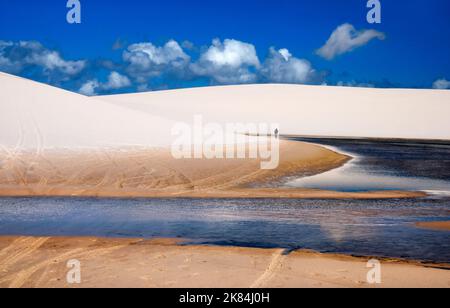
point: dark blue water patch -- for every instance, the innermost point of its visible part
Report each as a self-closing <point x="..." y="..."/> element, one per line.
<point x="416" y="159"/>
<point x="382" y="228"/>
<point x="383" y="166"/>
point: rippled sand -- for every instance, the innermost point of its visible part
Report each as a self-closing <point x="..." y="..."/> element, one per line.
<point x="42" y="262"/>
<point x="155" y="173"/>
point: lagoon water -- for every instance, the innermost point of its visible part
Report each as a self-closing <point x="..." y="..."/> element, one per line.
<point x="373" y="227"/>
<point x="384" y="228"/>
<point x="384" y="165"/>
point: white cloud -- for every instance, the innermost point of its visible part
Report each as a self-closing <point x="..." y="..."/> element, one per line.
<point x="229" y="62"/>
<point x="147" y="66"/>
<point x="153" y="55"/>
<point x="231" y="53"/>
<point x="281" y="67"/>
<point x="285" y="54"/>
<point x="345" y="39"/>
<point x="223" y="62"/>
<point x="4" y="44"/>
<point x="6" y="64"/>
<point x="50" y="60"/>
<point x="89" y="88"/>
<point x="441" y="84"/>
<point x="147" y="60"/>
<point x="115" y="81"/>
<point x="17" y="56"/>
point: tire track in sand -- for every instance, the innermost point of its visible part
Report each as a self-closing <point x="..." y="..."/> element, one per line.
<point x="23" y="247"/>
<point x="275" y="265"/>
<point x="20" y="278"/>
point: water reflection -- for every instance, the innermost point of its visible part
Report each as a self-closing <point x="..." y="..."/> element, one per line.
<point x="371" y="227"/>
<point x="381" y="166"/>
<point x="353" y="178"/>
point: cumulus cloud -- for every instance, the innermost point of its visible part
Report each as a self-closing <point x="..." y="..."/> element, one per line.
<point x="15" y="57"/>
<point x="281" y="67"/>
<point x="89" y="88"/>
<point x="230" y="61"/>
<point x="223" y="62"/>
<point x="345" y="39"/>
<point x="441" y="84"/>
<point x="145" y="60"/>
<point x="6" y="63"/>
<point x="115" y="81"/>
<point x="146" y="66"/>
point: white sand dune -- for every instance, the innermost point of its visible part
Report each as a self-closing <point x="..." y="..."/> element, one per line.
<point x="307" y="110"/>
<point x="37" y="116"/>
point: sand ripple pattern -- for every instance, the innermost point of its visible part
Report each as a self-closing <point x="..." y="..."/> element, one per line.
<point x="23" y="248"/>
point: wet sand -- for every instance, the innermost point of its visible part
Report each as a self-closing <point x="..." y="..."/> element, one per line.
<point x="42" y="262"/>
<point x="436" y="225"/>
<point x="154" y="173"/>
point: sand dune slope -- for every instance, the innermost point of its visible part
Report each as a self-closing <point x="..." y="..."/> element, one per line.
<point x="37" y="116"/>
<point x="307" y="110"/>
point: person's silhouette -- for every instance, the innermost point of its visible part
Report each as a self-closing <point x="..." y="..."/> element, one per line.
<point x="277" y="132"/>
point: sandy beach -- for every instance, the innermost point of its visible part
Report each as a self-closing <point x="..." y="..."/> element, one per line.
<point x="155" y="173"/>
<point x="42" y="262"/>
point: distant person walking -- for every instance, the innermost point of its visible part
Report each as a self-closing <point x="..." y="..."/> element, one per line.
<point x="277" y="133"/>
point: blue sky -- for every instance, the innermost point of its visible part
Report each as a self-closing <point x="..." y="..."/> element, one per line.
<point x="256" y="41"/>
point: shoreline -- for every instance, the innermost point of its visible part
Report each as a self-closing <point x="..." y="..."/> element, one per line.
<point x="154" y="173"/>
<point x="115" y="262"/>
<point x="269" y="193"/>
